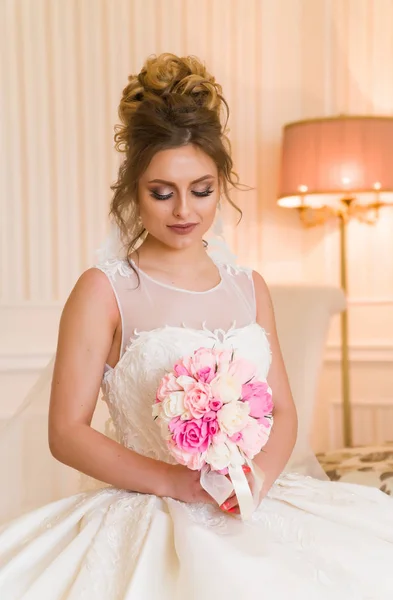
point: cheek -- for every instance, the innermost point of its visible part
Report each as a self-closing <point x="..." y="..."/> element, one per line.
<point x="208" y="209"/>
<point x="153" y="212"/>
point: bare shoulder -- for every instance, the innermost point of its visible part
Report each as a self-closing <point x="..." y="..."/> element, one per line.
<point x="87" y="326"/>
<point x="93" y="280"/>
<point x="263" y="301"/>
<point x="262" y="294"/>
<point x="93" y="293"/>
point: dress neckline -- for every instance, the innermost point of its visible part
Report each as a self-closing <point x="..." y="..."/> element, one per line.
<point x="177" y="289"/>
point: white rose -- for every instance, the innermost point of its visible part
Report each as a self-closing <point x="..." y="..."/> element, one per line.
<point x="173" y="405"/>
<point x="226" y="387"/>
<point x="218" y="456"/>
<point x="233" y="417"/>
<point x="184" y="381"/>
<point x="221" y="455"/>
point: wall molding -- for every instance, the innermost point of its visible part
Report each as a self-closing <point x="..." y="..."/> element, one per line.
<point x="370" y="301"/>
<point x="361" y="353"/>
<point x="364" y="402"/>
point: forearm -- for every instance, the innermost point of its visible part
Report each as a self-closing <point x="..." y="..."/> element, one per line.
<point x="98" y="456"/>
<point x="278" y="448"/>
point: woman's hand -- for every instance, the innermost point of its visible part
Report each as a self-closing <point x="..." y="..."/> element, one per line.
<point x="185" y="485"/>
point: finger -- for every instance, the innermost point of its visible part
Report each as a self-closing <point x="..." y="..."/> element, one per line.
<point x="234" y="511"/>
<point x="229" y="504"/>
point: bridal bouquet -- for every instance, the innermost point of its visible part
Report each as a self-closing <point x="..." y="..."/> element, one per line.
<point x="216" y="415"/>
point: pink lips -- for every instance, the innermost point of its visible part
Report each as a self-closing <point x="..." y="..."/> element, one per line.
<point x="183" y="229"/>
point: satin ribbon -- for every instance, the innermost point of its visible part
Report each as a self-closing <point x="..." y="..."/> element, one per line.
<point x="221" y="488"/>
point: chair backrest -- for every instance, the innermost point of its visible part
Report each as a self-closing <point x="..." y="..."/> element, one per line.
<point x="303" y="314"/>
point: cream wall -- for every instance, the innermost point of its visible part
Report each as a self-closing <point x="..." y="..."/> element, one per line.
<point x="63" y="66"/>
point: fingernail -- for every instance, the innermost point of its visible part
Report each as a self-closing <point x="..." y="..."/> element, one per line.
<point x="246" y="469"/>
<point x="224" y="506"/>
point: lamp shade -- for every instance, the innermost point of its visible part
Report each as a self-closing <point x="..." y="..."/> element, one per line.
<point x="324" y="160"/>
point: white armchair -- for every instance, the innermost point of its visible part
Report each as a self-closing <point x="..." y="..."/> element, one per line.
<point x="303" y="314"/>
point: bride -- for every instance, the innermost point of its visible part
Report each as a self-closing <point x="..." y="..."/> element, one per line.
<point x="153" y="532"/>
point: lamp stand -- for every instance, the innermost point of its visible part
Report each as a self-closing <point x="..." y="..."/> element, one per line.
<point x="345" y="380"/>
<point x="310" y="218"/>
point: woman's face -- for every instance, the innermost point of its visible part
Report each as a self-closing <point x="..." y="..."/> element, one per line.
<point x="178" y="195"/>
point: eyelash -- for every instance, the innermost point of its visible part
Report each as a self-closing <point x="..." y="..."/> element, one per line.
<point x="203" y="194"/>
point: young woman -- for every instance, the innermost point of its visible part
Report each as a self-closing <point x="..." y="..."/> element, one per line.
<point x="155" y="533"/>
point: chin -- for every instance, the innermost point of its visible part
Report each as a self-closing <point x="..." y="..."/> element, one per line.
<point x="182" y="243"/>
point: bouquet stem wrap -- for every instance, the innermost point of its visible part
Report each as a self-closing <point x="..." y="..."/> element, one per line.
<point x="220" y="488"/>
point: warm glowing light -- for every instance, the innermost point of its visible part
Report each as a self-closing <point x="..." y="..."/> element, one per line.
<point x="325" y="161"/>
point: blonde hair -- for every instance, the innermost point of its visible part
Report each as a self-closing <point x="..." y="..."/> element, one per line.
<point x="172" y="102"/>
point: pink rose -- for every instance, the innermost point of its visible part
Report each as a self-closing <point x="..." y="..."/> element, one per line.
<point x="253" y="437"/>
<point x="210" y="416"/>
<point x="183" y="367"/>
<point x="236" y="437"/>
<point x="213" y="428"/>
<point x="259" y="396"/>
<point x="242" y="369"/>
<point x="190" y="436"/>
<point x="212" y="424"/>
<point x="195" y="462"/>
<point x="204" y="365"/>
<point x="197" y="399"/>
<point x="223" y="358"/>
<point x="167" y="386"/>
<point x="215" y="404"/>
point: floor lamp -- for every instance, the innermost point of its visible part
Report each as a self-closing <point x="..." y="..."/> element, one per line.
<point x="338" y="167"/>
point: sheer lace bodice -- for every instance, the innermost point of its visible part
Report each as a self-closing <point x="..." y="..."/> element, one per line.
<point x="159" y="327"/>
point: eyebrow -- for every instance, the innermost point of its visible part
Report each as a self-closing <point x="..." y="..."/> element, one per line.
<point x="174" y="184"/>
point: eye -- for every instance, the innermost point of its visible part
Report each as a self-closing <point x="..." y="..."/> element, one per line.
<point x="206" y="192"/>
<point x="158" y="196"/>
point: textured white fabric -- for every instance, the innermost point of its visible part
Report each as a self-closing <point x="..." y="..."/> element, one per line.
<point x="309" y="539"/>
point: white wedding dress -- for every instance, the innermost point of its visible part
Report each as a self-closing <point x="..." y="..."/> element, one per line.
<point x="309" y="539"/>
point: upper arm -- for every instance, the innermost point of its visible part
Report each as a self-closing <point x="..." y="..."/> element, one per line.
<point x="87" y="326"/>
<point x="278" y="379"/>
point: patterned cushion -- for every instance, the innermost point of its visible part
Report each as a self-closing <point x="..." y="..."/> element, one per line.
<point x="369" y="465"/>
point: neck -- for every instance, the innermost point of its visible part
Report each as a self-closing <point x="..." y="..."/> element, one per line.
<point x="153" y="250"/>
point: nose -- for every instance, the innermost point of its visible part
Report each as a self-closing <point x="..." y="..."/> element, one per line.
<point x="182" y="208"/>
